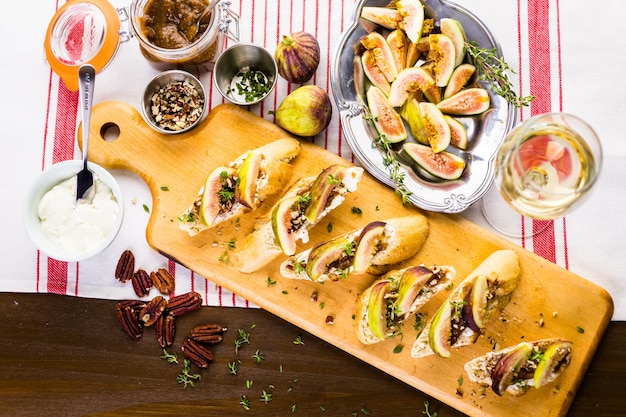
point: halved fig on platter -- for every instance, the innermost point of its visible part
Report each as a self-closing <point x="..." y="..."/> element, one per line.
<point x="409" y="82"/>
<point x="454" y="30"/>
<point x="466" y="102"/>
<point x="410" y="112"/>
<point x="412" y="15"/>
<point x="442" y="52"/>
<point x="436" y="127"/>
<point x="374" y="73"/>
<point x="385" y="118"/>
<point x="383" y="16"/>
<point x="444" y="165"/>
<point x="458" y="133"/>
<point x="399" y="46"/>
<point x="382" y="54"/>
<point x="367" y="245"/>
<point x="508" y="367"/>
<point x="459" y="78"/>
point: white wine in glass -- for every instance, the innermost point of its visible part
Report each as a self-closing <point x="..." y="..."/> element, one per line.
<point x="545" y="166"/>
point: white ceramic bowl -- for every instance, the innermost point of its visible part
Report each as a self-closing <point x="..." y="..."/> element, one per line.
<point x="50" y="177"/>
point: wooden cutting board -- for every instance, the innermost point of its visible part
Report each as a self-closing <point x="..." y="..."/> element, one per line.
<point x="549" y="302"/>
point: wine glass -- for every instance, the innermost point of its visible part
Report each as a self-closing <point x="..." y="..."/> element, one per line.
<point x="545" y="167"/>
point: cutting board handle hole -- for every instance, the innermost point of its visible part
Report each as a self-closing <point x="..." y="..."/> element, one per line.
<point x="110" y="131"/>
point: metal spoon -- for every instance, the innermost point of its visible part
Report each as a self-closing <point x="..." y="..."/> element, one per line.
<point x="193" y="31"/>
<point x="84" y="179"/>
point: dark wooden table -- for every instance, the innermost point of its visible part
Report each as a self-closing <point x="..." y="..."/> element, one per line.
<point x="66" y="356"/>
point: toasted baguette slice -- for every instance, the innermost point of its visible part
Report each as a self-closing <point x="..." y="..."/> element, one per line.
<point x="517" y="368"/>
<point x="392" y="299"/>
<point x="241" y="186"/>
<point x="469" y="308"/>
<point x="263" y="246"/>
<point x="376" y="248"/>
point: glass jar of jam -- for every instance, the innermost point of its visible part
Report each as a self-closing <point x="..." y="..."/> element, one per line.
<point x="84" y="32"/>
<point x="174" y="31"/>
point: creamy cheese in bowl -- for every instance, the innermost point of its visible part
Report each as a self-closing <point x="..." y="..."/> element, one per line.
<point x="78" y="227"/>
<point x="63" y="229"/>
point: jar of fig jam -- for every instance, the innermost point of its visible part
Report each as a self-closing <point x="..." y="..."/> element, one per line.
<point x="175" y="32"/>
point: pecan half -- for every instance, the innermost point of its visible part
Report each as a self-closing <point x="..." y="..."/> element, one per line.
<point x="130" y="321"/>
<point x="125" y="266"/>
<point x="196" y="353"/>
<point x="184" y="303"/>
<point x="163" y="281"/>
<point x="207" y="333"/>
<point x="165" y="328"/>
<point x="141" y="282"/>
<point x="152" y="311"/>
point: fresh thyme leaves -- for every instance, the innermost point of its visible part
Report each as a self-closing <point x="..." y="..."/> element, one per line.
<point x="427" y="412"/>
<point x="186" y="377"/>
<point x="233" y="367"/>
<point x="169" y="357"/>
<point x="493" y="69"/>
<point x="258" y="356"/>
<point x="298" y="340"/>
<point x="242" y="339"/>
<point x="393" y="167"/>
<point x="250" y="84"/>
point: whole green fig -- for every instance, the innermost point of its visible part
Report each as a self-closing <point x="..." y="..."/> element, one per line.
<point x="305" y="112"/>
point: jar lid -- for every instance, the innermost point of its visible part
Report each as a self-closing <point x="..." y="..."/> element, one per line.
<point x="81" y="32"/>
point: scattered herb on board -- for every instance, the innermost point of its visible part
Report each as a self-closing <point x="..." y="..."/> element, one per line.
<point x="427" y="412"/>
<point x="398" y="349"/>
<point x="298" y="340"/>
<point x="580" y="329"/>
<point x="493" y="69"/>
<point x="146" y="209"/>
<point x="270" y="281"/>
<point x="357" y="210"/>
<point x="245" y="402"/>
<point x="165" y="188"/>
<point x="242" y="338"/>
<point x="186" y="377"/>
<point x="233" y="367"/>
<point x="169" y="357"/>
<point x="258" y="357"/>
<point x="266" y="397"/>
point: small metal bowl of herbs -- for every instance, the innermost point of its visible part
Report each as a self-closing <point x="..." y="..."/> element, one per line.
<point x="245" y="74"/>
<point x="174" y="102"/>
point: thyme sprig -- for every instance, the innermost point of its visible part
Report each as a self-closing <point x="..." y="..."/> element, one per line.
<point x="186" y="377"/>
<point x="493" y="69"/>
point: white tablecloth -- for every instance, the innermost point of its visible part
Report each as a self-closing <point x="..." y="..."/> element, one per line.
<point x="568" y="54"/>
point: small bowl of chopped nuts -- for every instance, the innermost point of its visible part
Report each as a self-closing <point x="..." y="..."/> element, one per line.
<point x="245" y="74"/>
<point x="174" y="102"/>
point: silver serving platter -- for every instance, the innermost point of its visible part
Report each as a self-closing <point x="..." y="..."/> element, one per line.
<point x="486" y="131"/>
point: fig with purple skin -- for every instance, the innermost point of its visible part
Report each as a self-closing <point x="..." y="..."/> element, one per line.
<point x="219" y="183"/>
<point x="331" y="259"/>
<point x="281" y="218"/>
<point x="297" y="57"/>
<point x="377" y="309"/>
<point x="507" y="369"/>
<point x="306" y="111"/>
<point x="475" y="308"/>
<point x="411" y="284"/>
<point x="322" y="189"/>
<point x="367" y="245"/>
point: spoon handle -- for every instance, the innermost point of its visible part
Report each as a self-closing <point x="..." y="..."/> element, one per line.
<point x="86" y="84"/>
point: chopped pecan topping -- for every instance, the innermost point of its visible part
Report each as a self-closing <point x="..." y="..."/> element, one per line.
<point x="152" y="311"/>
<point x="197" y="353"/>
<point x="165" y="329"/>
<point x="141" y="282"/>
<point x="207" y="333"/>
<point x="130" y="321"/>
<point x="163" y="281"/>
<point x="125" y="266"/>
<point x="184" y="303"/>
